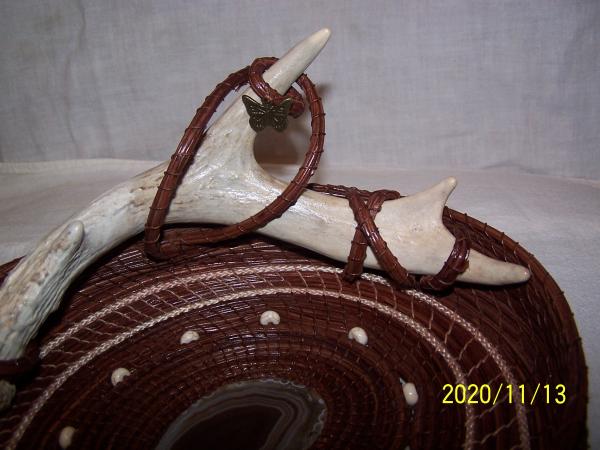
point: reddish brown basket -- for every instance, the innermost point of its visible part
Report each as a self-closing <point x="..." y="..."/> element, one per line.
<point x="127" y="311"/>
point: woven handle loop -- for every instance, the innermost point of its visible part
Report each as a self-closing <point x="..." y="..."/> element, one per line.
<point x="365" y="205"/>
<point x="367" y="234"/>
<point x="191" y="141"/>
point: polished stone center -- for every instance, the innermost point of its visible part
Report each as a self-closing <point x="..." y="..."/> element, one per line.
<point x="251" y="415"/>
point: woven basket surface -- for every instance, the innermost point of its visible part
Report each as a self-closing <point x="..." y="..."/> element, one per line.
<point x="127" y="311"/>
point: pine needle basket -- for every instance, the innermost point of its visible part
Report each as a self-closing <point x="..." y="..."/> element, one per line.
<point x="127" y="311"/>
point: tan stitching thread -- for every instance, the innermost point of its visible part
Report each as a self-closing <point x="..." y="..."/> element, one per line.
<point x="60" y="380"/>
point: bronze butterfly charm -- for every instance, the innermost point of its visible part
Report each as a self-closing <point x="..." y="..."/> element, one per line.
<point x="267" y="114"/>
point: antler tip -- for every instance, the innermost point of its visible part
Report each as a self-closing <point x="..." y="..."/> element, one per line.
<point x="522" y="274"/>
<point x="451" y="182"/>
<point x="323" y="33"/>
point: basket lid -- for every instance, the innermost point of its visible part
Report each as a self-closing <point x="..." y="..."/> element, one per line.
<point x="138" y="343"/>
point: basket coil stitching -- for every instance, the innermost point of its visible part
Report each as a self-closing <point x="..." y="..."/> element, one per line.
<point x="436" y="343"/>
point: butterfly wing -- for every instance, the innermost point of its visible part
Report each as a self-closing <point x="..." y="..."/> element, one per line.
<point x="279" y="113"/>
<point x="265" y="114"/>
<point x="257" y="112"/>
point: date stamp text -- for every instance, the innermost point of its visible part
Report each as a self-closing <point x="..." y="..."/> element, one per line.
<point x="472" y="394"/>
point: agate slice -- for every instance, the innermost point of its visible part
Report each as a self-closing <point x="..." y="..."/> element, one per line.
<point x="251" y="415"/>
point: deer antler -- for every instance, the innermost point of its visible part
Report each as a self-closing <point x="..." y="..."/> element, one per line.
<point x="224" y="184"/>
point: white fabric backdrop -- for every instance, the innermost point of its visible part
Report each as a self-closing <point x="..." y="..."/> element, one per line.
<point x="411" y="84"/>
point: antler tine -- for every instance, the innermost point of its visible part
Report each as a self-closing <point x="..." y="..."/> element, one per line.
<point x="233" y="124"/>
